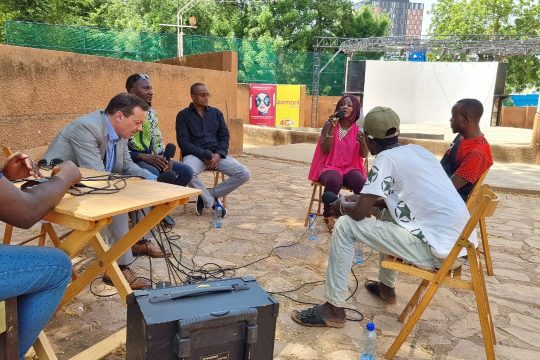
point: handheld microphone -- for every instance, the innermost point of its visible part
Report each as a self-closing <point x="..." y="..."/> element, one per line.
<point x="338" y="115"/>
<point x="168" y="177"/>
<point x="328" y="197"/>
<point x="207" y="155"/>
<point x="170" y="151"/>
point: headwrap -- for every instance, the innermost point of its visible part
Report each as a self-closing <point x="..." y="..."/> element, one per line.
<point x="355" y="112"/>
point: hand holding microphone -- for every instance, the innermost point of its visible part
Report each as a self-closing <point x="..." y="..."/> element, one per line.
<point x="338" y="115"/>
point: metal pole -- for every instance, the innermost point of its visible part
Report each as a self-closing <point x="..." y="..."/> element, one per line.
<point x="179" y="38"/>
<point x="181" y="49"/>
<point x="317" y="70"/>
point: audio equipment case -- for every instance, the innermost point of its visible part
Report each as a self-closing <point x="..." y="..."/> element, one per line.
<point x="229" y="319"/>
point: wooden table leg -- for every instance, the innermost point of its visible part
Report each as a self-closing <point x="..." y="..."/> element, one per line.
<point x="104" y="347"/>
<point x="79" y="239"/>
<point x="116" y="250"/>
<point x="114" y="272"/>
<point x="43" y="348"/>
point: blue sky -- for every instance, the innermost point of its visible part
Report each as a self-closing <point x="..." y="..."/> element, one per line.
<point x="427" y="13"/>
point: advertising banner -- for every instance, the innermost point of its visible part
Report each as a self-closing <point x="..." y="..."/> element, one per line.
<point x="262" y="104"/>
<point x="288" y="106"/>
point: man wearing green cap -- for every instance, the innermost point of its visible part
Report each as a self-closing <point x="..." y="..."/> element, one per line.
<point x="423" y="216"/>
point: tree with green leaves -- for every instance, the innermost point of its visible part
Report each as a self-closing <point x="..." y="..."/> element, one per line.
<point x="493" y="17"/>
<point x="273" y="38"/>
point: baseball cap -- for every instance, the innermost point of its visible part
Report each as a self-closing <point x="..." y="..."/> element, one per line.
<point x="379" y="120"/>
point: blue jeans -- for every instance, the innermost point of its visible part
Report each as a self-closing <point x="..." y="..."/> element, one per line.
<point x="183" y="171"/>
<point x="38" y="277"/>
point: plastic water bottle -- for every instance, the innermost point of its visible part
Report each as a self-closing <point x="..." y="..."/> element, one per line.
<point x="218" y="221"/>
<point x="358" y="253"/>
<point x="370" y="343"/>
<point x="311" y="228"/>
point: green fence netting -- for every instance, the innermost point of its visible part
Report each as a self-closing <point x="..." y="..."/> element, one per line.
<point x="258" y="61"/>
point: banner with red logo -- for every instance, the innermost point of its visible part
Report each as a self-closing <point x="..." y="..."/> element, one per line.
<point x="288" y="105"/>
<point x="262" y="104"/>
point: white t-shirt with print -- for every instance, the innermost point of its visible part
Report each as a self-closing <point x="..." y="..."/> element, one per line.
<point x="419" y="196"/>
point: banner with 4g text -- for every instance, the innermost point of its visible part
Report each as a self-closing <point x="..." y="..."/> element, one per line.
<point x="288" y="105"/>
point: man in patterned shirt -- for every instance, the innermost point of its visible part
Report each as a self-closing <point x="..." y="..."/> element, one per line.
<point x="146" y="147"/>
<point x="469" y="156"/>
<point x="424" y="215"/>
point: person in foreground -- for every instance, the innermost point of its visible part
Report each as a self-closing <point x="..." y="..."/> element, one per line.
<point x="424" y="215"/>
<point x="339" y="154"/>
<point x="469" y="156"/>
<point x="37" y="276"/>
<point x="98" y="141"/>
<point x="203" y="136"/>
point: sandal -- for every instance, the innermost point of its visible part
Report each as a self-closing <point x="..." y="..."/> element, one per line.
<point x="373" y="287"/>
<point x="312" y="317"/>
<point x="330" y="222"/>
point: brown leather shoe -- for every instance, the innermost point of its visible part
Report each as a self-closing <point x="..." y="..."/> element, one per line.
<point x="134" y="281"/>
<point x="147" y="247"/>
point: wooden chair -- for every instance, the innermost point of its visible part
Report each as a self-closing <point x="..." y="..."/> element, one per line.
<point x="9" y="335"/>
<point x="316" y="196"/>
<point x="483" y="207"/>
<point x="473" y="197"/>
<point x="219" y="177"/>
<point x="9" y="341"/>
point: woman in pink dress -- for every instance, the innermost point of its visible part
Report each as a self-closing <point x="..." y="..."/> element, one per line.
<point x="339" y="155"/>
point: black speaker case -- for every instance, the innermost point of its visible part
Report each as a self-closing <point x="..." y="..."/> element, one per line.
<point x="225" y="325"/>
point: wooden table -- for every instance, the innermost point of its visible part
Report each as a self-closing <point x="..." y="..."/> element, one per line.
<point x="87" y="215"/>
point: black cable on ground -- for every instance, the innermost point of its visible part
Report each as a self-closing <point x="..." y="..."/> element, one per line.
<point x="176" y="269"/>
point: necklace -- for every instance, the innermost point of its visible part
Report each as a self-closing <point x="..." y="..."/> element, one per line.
<point x="342" y="133"/>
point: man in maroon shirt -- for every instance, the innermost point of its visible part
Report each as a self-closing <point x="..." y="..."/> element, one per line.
<point x="469" y="156"/>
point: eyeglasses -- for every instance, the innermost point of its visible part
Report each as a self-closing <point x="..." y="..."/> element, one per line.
<point x="203" y="95"/>
<point x="142" y="76"/>
<point x="42" y="164"/>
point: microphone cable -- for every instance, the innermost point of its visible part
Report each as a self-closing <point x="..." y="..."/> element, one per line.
<point x="179" y="273"/>
<point x="115" y="183"/>
<point x="202" y="273"/>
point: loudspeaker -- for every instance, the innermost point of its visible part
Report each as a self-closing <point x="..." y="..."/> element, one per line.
<point x="230" y="319"/>
<point x="356" y="77"/>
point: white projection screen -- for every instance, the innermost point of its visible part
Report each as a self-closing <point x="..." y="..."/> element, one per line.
<point x="424" y="92"/>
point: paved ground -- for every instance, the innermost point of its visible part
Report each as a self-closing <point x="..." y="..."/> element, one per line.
<point x="269" y="211"/>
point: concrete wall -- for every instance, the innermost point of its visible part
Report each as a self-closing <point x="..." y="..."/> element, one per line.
<point x="221" y="61"/>
<point x="518" y="116"/>
<point x="325" y="108"/>
<point x="242" y="102"/>
<point x="44" y="90"/>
